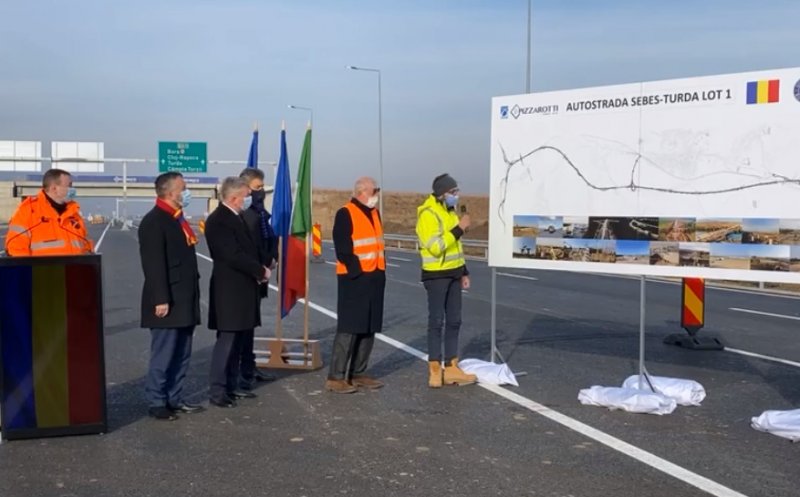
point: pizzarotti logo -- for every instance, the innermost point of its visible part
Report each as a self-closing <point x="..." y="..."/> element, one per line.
<point x="517" y="111"/>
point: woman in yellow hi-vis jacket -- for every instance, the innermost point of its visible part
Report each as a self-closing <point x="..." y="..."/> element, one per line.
<point x="444" y="274"/>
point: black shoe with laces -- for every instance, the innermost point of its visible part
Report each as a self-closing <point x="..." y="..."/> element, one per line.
<point x="162" y="413"/>
<point x="187" y="408"/>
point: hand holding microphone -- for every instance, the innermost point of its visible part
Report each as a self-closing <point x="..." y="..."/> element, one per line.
<point x="465" y="221"/>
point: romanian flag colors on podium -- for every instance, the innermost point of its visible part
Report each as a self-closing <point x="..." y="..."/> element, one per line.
<point x="51" y="353"/>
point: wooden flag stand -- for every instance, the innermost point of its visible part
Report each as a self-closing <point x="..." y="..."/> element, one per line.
<point x="289" y="353"/>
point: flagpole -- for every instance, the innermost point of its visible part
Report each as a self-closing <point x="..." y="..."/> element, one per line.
<point x="278" y="318"/>
<point x="307" y="306"/>
<point x="308" y="246"/>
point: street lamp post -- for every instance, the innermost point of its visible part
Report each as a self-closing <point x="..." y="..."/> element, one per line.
<point x="310" y="111"/>
<point x="528" y="66"/>
<point x="380" y="131"/>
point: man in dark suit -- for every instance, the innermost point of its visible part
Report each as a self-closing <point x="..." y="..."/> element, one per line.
<point x="235" y="304"/>
<point x="170" y="297"/>
<point x="257" y="218"/>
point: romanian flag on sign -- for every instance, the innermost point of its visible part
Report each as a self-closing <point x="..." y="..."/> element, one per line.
<point x="763" y="92"/>
<point x="52" y="357"/>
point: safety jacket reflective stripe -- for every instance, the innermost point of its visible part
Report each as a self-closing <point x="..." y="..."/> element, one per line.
<point x="18" y="229"/>
<point x="439" y="249"/>
<point x="46" y="245"/>
<point x="368" y="244"/>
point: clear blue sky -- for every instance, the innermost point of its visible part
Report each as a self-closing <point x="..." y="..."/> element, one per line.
<point x="132" y="73"/>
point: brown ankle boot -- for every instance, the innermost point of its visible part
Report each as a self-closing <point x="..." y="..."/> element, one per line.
<point x="362" y="380"/>
<point x="339" y="386"/>
<point x="435" y="374"/>
<point x="453" y="375"/>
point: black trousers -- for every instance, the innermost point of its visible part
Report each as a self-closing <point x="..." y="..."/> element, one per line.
<point x="247" y="363"/>
<point x="350" y="355"/>
<point x="224" y="374"/>
<point x="444" y="311"/>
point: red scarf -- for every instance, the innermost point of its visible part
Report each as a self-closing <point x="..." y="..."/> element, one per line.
<point x="177" y="214"/>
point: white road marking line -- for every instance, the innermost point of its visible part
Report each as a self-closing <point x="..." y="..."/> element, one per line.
<point x="100" y="241"/>
<point x="511" y="275"/>
<point x="761" y="313"/>
<point x="765" y="357"/>
<point x="401" y="259"/>
<point x="632" y="451"/>
<point x="735" y="351"/>
<point x="625" y="448"/>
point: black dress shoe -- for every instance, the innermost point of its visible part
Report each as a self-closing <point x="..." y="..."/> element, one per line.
<point x="242" y="394"/>
<point x="187" y="408"/>
<point x="222" y="403"/>
<point x="162" y="413"/>
<point x="259" y="376"/>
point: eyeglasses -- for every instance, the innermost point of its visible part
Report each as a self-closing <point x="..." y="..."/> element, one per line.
<point x="376" y="190"/>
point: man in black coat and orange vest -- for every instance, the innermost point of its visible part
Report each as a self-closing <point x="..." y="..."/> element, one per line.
<point x="234" y="303"/>
<point x="361" y="280"/>
<point x="170" y="296"/>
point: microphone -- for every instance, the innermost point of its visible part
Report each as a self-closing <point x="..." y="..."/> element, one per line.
<point x="9" y="240"/>
<point x="89" y="242"/>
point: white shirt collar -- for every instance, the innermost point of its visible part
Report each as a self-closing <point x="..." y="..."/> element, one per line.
<point x="231" y="208"/>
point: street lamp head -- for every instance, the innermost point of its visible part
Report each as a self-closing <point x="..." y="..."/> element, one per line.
<point x="351" y="67"/>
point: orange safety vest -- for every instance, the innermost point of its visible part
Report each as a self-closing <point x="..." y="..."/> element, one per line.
<point x="368" y="242"/>
<point x="36" y="229"/>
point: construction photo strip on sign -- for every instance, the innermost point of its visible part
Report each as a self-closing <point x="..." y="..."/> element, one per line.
<point x="689" y="178"/>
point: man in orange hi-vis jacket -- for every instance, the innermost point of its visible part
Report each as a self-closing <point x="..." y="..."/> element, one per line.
<point x="49" y="223"/>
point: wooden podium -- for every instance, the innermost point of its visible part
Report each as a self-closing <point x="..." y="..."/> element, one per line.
<point x="52" y="368"/>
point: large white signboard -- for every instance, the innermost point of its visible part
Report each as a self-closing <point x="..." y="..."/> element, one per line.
<point x="690" y="177"/>
<point x="88" y="156"/>
<point x="25" y="151"/>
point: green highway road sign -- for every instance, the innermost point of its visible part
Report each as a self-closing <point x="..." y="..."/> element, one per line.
<point x="185" y="157"/>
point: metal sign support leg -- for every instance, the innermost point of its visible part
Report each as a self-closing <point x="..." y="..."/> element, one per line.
<point x="494" y="316"/>
<point x="644" y="376"/>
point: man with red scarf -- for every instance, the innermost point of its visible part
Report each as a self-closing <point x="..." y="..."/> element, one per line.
<point x="170" y="297"/>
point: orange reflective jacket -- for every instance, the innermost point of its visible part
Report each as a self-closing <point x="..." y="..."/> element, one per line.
<point x="37" y="229"/>
<point x="368" y="242"/>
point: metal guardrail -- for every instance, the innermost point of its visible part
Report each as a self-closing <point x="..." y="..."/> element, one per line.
<point x="477" y="247"/>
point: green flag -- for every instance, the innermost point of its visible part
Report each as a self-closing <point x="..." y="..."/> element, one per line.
<point x="301" y="215"/>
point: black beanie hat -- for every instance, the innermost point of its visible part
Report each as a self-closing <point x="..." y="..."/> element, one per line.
<point x="443" y="184"/>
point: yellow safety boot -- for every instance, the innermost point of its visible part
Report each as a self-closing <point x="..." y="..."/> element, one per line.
<point x="453" y="375"/>
<point x="435" y="371"/>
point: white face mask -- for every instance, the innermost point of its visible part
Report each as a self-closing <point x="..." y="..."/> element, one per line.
<point x="372" y="202"/>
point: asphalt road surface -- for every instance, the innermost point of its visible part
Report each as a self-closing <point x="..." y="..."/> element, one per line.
<point x="567" y="331"/>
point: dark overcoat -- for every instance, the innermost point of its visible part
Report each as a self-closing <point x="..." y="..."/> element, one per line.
<point x="360" y="300"/>
<point x="267" y="246"/>
<point x="234" y="302"/>
<point x="170" y="271"/>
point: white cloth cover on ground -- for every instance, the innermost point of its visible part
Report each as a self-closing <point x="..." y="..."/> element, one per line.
<point x="488" y="372"/>
<point x="627" y="399"/>
<point x="685" y="392"/>
<point x="784" y="424"/>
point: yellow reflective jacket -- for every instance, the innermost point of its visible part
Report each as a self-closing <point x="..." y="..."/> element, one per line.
<point x="438" y="247"/>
